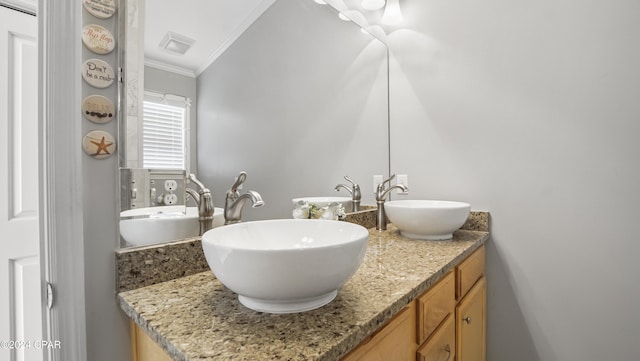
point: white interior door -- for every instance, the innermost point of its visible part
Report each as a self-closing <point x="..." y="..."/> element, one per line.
<point x="20" y="286"/>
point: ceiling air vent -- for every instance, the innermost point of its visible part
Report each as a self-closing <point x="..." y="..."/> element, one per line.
<point x="176" y="43"/>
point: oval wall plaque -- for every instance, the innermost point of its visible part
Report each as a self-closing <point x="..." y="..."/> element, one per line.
<point x="98" y="109"/>
<point x="97" y="73"/>
<point x="99" y="144"/>
<point x="98" y="39"/>
<point x="102" y="9"/>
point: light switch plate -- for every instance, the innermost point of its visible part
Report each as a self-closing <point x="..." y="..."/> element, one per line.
<point x="377" y="179"/>
<point x="404" y="180"/>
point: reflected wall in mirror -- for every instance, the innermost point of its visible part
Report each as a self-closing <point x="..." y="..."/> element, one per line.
<point x="298" y="101"/>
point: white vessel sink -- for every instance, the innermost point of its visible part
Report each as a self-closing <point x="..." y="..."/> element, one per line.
<point x="285" y="265"/>
<point x="325" y="201"/>
<point x="427" y="219"/>
<point x="145" y="226"/>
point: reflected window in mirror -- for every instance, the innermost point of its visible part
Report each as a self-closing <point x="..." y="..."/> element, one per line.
<point x="165" y="131"/>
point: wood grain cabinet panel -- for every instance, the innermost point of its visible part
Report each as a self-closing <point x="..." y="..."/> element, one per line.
<point x="394" y="342"/>
<point x="435" y="305"/>
<point x="442" y="344"/>
<point x="143" y="348"/>
<point x="469" y="271"/>
<point x="471" y="324"/>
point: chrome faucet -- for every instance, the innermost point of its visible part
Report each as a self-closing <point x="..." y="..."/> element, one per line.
<point x="356" y="196"/>
<point x="204" y="200"/>
<point x="234" y="202"/>
<point x="381" y="195"/>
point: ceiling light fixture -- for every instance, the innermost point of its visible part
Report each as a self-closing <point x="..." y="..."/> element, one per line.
<point x="176" y="43"/>
<point x="392" y="14"/>
<point x="372" y="4"/>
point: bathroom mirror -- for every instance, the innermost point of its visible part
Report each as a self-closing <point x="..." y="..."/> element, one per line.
<point x="298" y="100"/>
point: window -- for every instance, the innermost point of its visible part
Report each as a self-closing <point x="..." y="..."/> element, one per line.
<point x="164" y="131"/>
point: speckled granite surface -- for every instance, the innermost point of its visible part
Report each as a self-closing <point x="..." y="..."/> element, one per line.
<point x="477" y="221"/>
<point x="145" y="266"/>
<point x="197" y="318"/>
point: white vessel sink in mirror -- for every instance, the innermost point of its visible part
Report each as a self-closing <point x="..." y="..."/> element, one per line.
<point x="324" y="201"/>
<point x="427" y="219"/>
<point x="285" y="265"/>
<point x="145" y="226"/>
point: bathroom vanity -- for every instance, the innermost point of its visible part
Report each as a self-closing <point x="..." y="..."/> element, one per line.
<point x="424" y="298"/>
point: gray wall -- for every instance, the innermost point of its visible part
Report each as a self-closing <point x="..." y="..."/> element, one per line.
<point x="171" y="83"/>
<point x="530" y="110"/>
<point x="527" y="110"/>
<point x="298" y="101"/>
<point x="106" y="325"/>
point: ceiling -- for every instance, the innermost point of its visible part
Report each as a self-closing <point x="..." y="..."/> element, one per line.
<point x="212" y="24"/>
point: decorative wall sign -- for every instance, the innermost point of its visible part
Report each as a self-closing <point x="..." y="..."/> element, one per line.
<point x="98" y="73"/>
<point x="102" y="9"/>
<point x="98" y="39"/>
<point x="99" y="144"/>
<point x="98" y="109"/>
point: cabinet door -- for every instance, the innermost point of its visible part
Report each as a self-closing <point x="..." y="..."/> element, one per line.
<point x="435" y="305"/>
<point x="143" y="348"/>
<point x="394" y="342"/>
<point x="441" y="346"/>
<point x="470" y="324"/>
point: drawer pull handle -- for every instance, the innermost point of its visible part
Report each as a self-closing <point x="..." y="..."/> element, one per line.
<point x="467" y="320"/>
<point x="448" y="349"/>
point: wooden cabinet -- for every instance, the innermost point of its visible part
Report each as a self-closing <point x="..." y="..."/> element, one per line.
<point x="442" y="345"/>
<point x="449" y="321"/>
<point x="143" y="348"/>
<point x="394" y="341"/>
<point x="435" y="305"/>
<point x="471" y="324"/>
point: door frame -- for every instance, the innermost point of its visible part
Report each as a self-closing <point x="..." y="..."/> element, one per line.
<point x="61" y="200"/>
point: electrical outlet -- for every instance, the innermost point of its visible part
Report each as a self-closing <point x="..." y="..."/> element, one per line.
<point x="404" y="180"/>
<point x="170" y="199"/>
<point x="377" y="179"/>
<point x="170" y="185"/>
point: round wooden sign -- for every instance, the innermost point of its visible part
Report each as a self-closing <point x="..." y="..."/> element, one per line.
<point x="99" y="144"/>
<point x="98" y="39"/>
<point x="102" y="9"/>
<point x="97" y="73"/>
<point x="98" y="109"/>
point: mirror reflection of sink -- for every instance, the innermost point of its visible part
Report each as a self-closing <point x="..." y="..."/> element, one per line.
<point x="285" y="265"/>
<point x="324" y="201"/>
<point x="427" y="219"/>
<point x="145" y="226"/>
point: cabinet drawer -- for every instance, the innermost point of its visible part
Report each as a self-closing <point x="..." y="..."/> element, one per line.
<point x="393" y="342"/>
<point x="469" y="271"/>
<point x="435" y="305"/>
<point x="442" y="344"/>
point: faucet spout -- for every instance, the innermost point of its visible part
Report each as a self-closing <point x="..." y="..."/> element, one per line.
<point x="204" y="200"/>
<point x="381" y="196"/>
<point x="354" y="190"/>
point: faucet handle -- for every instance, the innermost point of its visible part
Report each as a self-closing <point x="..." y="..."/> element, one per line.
<point x="355" y="188"/>
<point x="239" y="180"/>
<point x="353" y="183"/>
<point x="192" y="178"/>
<point x="388" y="180"/>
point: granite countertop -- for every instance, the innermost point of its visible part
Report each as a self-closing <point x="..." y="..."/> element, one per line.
<point x="197" y="318"/>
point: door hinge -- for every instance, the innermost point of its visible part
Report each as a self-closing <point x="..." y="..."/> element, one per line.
<point x="50" y="295"/>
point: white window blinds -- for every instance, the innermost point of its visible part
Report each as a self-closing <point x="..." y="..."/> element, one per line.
<point x="164" y="131"/>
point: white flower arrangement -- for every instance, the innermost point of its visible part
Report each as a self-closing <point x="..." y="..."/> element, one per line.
<point x="305" y="210"/>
